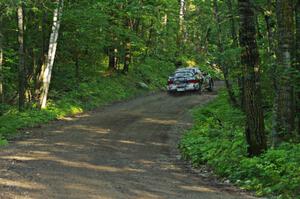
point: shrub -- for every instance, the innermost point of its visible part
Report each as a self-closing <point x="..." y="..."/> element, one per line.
<point x="217" y="140"/>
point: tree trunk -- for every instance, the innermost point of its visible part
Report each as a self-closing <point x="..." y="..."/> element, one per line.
<point x="255" y="132"/>
<point x="224" y="68"/>
<point x="127" y="58"/>
<point x="21" y="69"/>
<point x="297" y="60"/>
<point x="206" y="39"/>
<point x="77" y="68"/>
<point x="268" y="14"/>
<point x="234" y="35"/>
<point x="270" y="25"/>
<point x="51" y="53"/>
<point x="259" y="35"/>
<point x="181" y="16"/>
<point x="285" y="117"/>
<point x="127" y="55"/>
<point x="235" y="44"/>
<point x="113" y="59"/>
<point x="43" y="59"/>
<point x="1" y="66"/>
<point x="181" y="34"/>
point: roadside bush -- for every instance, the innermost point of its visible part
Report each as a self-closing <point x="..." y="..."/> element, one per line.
<point x="217" y="140"/>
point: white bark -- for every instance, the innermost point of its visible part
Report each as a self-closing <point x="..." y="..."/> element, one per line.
<point x="21" y="69"/>
<point x="182" y="26"/>
<point x="181" y="15"/>
<point x="46" y="78"/>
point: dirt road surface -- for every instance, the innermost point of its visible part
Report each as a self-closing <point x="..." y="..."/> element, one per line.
<point x="124" y="150"/>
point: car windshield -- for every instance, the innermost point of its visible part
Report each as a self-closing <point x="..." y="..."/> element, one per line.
<point x="184" y="74"/>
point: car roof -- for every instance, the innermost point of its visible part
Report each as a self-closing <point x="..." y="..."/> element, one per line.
<point x="188" y="69"/>
<point x="184" y="73"/>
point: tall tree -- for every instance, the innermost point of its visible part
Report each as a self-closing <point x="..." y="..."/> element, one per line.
<point x="22" y="69"/>
<point x="255" y="130"/>
<point x="46" y="78"/>
<point x="285" y="117"/>
<point x="223" y="66"/>
<point x="233" y="30"/>
<point x="182" y="28"/>
<point x="1" y="64"/>
<point x="235" y="44"/>
<point x="43" y="59"/>
<point x="297" y="61"/>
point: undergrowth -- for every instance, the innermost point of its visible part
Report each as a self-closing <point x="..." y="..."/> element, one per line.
<point x="86" y="96"/>
<point x="217" y="140"/>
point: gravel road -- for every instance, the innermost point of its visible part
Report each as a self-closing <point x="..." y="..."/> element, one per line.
<point x="124" y="150"/>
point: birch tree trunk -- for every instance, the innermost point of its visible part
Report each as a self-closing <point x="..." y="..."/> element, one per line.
<point x="46" y="78"/>
<point x="21" y="69"/>
<point x="285" y="117"/>
<point x="255" y="129"/>
<point x="181" y="34"/>
<point x="181" y="15"/>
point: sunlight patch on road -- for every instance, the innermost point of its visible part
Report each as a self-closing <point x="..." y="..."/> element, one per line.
<point x="67" y="118"/>
<point x="18" y="158"/>
<point x="35" y="155"/>
<point x="21" y="184"/>
<point x="158" y="144"/>
<point x="197" y="189"/>
<point x="90" y="129"/>
<point x="130" y="142"/>
<point x="145" y="195"/>
<point x="146" y="162"/>
<point x="85" y="165"/>
<point x="69" y="163"/>
<point x="36" y="142"/>
<point x="160" y="121"/>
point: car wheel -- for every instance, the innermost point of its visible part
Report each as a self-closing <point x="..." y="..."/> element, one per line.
<point x="199" y="91"/>
<point x="211" y="86"/>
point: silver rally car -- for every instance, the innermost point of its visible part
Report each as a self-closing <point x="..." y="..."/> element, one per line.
<point x="189" y="79"/>
<point x="185" y="79"/>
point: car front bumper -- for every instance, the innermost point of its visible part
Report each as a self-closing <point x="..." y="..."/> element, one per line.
<point x="183" y="88"/>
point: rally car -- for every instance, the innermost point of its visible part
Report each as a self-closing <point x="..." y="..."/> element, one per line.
<point x="189" y="79"/>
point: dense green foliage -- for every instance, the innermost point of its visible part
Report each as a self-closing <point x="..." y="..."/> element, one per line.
<point x="92" y="34"/>
<point x="89" y="95"/>
<point x="86" y="96"/>
<point x="217" y="139"/>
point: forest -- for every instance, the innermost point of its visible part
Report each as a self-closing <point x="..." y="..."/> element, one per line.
<point x="63" y="57"/>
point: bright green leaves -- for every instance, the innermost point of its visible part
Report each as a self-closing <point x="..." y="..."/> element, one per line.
<point x="217" y="139"/>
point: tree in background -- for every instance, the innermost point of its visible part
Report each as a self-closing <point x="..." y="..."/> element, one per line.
<point x="255" y="130"/>
<point x="221" y="63"/>
<point x="1" y="66"/>
<point x="22" y="69"/>
<point x="297" y="59"/>
<point x="46" y="77"/>
<point x="285" y="115"/>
